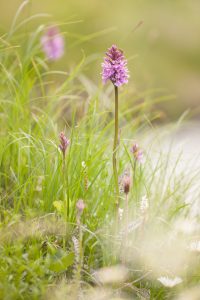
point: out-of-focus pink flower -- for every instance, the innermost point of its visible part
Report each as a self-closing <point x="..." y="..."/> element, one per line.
<point x="64" y="142"/>
<point x="114" y="67"/>
<point x="137" y="153"/>
<point x="53" y="43"/>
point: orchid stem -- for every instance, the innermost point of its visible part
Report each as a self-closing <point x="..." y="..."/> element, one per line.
<point x="115" y="146"/>
<point x="126" y="222"/>
<point x="65" y="184"/>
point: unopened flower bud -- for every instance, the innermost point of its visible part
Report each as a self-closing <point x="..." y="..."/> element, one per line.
<point x="137" y="153"/>
<point x="64" y="142"/>
<point x="126" y="184"/>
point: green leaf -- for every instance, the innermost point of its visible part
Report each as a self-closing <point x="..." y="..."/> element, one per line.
<point x="60" y="264"/>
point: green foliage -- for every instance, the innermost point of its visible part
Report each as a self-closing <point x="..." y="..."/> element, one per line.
<point x="60" y="261"/>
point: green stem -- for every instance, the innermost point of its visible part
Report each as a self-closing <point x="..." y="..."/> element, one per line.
<point x="65" y="183"/>
<point x="80" y="250"/>
<point x="124" y="244"/>
<point x="67" y="186"/>
<point x="126" y="225"/>
<point x="80" y="258"/>
<point x="115" y="146"/>
<point x="63" y="176"/>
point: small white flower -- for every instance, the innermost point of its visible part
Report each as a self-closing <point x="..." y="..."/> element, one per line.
<point x="83" y="164"/>
<point x="144" y="204"/>
<point x="194" y="246"/>
<point x="169" y="282"/>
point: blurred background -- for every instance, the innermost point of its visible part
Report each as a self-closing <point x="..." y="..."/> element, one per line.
<point x="161" y="40"/>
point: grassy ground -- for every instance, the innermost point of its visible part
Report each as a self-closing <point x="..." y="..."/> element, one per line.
<point x="48" y="251"/>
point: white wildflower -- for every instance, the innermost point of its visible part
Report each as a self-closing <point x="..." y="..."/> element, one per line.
<point x="169" y="282"/>
<point x="83" y="165"/>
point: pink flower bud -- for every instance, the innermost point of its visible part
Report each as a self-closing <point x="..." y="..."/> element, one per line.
<point x="64" y="142"/>
<point x="137" y="153"/>
<point x="126" y="184"/>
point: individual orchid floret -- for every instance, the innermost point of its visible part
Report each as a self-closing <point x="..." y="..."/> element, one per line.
<point x="115" y="67"/>
<point x="53" y="43"/>
<point x="64" y="143"/>
<point x="137" y="153"/>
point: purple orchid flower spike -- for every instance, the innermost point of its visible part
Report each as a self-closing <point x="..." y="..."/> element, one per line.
<point x="114" y="67"/>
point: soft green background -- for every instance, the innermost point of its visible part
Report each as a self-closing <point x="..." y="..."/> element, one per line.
<point x="163" y="52"/>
